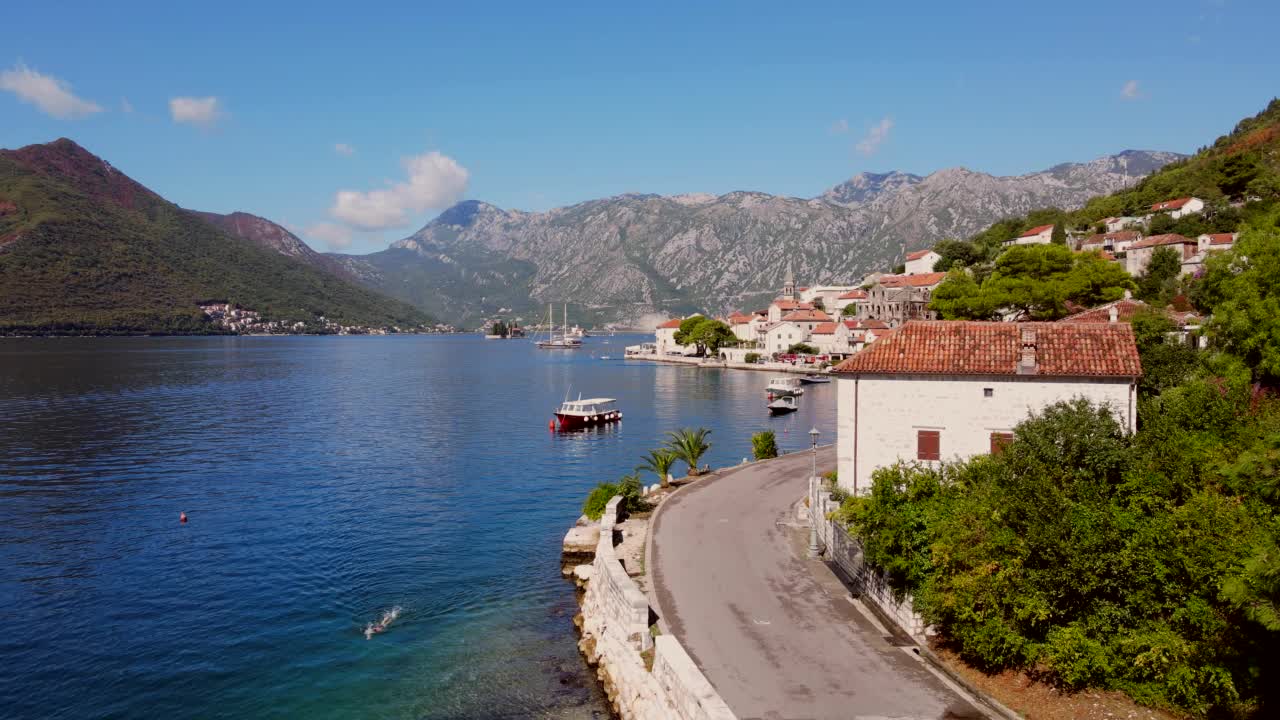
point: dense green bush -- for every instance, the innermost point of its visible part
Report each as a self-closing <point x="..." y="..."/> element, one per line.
<point x="599" y="497"/>
<point x="764" y="445"/>
<point x="752" y="357"/>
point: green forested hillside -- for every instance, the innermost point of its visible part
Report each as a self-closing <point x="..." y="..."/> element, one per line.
<point x="84" y="249"/>
<point x="1238" y="177"/>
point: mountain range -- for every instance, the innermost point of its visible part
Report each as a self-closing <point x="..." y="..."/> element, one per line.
<point x="634" y="258"/>
<point x="85" y="249"/>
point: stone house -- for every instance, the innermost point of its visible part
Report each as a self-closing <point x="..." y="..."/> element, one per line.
<point x="1139" y="254"/>
<point x="853" y="297"/>
<point x="921" y="262"/>
<point x="1112" y="242"/>
<point x="1039" y="235"/>
<point x="665" y="339"/>
<point x="947" y="390"/>
<point x="1179" y="207"/>
<point x="899" y="298"/>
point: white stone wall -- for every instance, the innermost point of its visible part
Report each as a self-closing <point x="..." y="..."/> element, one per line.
<point x="615" y="633"/>
<point x="880" y="415"/>
<point x="922" y="265"/>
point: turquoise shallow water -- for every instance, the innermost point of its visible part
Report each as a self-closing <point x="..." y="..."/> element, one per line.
<point x="326" y="480"/>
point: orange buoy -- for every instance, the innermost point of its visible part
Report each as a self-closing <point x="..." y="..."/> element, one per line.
<point x="551" y="424"/>
<point x="182" y="517"/>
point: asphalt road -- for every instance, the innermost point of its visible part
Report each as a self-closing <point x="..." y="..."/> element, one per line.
<point x="774" y="631"/>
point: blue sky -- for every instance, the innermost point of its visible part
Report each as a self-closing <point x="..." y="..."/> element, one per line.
<point x="537" y="105"/>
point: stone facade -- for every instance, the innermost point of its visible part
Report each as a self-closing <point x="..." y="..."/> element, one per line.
<point x="616" y="639"/>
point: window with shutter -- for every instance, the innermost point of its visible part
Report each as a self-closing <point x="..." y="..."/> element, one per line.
<point x="999" y="441"/>
<point x="928" y="445"/>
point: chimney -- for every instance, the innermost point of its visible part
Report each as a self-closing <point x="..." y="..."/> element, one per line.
<point x="1113" y="314"/>
<point x="1027" y="366"/>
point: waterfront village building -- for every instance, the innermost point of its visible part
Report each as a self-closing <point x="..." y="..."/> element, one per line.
<point x="824" y="296"/>
<point x="1041" y="235"/>
<point x="740" y="323"/>
<point x="842" y="339"/>
<point x="665" y="338"/>
<point x="921" y="262"/>
<point x="947" y="390"/>
<point x="853" y="297"/>
<point x="1179" y="207"/>
<point x="899" y="298"/>
<point x="1139" y="254"/>
<point x="795" y="327"/>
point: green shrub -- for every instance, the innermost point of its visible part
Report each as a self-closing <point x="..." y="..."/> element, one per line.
<point x="764" y="445"/>
<point x="752" y="358"/>
<point x="600" y="496"/>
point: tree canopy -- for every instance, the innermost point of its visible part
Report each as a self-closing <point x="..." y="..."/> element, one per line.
<point x="1034" y="279"/>
<point x="706" y="334"/>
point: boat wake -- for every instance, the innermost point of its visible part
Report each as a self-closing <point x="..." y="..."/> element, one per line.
<point x="383" y="623"/>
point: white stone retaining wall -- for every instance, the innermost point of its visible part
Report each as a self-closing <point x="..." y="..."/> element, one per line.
<point x="845" y="551"/>
<point x="615" y="631"/>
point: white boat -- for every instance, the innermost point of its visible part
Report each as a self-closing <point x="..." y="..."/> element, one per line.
<point x="579" y="413"/>
<point x="575" y="331"/>
<point x="784" y="404"/>
<point x="784" y="386"/>
<point x="562" y="341"/>
<point x="815" y="379"/>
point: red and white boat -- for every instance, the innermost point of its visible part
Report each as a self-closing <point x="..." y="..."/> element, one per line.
<point x="581" y="413"/>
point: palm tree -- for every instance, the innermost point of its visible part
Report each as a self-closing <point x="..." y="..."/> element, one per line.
<point x="659" y="462"/>
<point x="689" y="446"/>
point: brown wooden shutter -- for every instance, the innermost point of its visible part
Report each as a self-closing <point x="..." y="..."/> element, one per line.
<point x="928" y="445"/>
<point x="999" y="441"/>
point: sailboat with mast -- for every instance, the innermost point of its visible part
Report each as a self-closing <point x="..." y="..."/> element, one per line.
<point x="562" y="340"/>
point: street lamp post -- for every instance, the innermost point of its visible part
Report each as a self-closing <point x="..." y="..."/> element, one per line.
<point x="814" y="549"/>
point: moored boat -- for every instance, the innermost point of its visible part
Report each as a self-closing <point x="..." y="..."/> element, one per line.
<point x="814" y="379"/>
<point x="573" y="414"/>
<point x="784" y="404"/>
<point x="784" y="386"/>
<point x="561" y="341"/>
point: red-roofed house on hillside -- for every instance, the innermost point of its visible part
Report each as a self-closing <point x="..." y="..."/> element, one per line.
<point x="1216" y="241"/>
<point x="921" y="262"/>
<point x="844" y="300"/>
<point x="785" y="306"/>
<point x="899" y="298"/>
<point x="1112" y="242"/>
<point x="1139" y="254"/>
<point x="946" y="390"/>
<point x="1179" y="207"/>
<point x="1039" y="235"/>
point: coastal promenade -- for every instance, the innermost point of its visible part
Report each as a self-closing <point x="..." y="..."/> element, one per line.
<point x="773" y="631"/>
<point x="774" y="367"/>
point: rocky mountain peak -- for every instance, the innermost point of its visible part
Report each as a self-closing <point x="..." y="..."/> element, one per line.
<point x="65" y="160"/>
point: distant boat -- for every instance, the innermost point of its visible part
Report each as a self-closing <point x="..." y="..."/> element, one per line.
<point x="784" y="386"/>
<point x="604" y="357"/>
<point x="562" y="341"/>
<point x="815" y="379"/>
<point x="573" y="414"/>
<point x="783" y="405"/>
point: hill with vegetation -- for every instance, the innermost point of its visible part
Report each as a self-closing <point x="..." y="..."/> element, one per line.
<point x="84" y="249"/>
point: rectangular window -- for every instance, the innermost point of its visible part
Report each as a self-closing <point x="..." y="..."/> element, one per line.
<point x="928" y="445"/>
<point x="999" y="441"/>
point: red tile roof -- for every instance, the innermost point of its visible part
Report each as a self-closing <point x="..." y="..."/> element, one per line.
<point x="1124" y="311"/>
<point x="949" y="347"/>
<point x="1222" y="238"/>
<point x="789" y="304"/>
<point x="866" y="324"/>
<point x="858" y="294"/>
<point x="1170" y="204"/>
<point x="921" y="280"/>
<point x="1166" y="239"/>
<point x="672" y="323"/>
<point x="806" y="315"/>
<point x="738" y="318"/>
<point x="918" y="254"/>
<point x="1036" y="230"/>
<point x="826" y="328"/>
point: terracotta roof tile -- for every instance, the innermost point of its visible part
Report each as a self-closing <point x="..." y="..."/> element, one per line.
<point x="1166" y="239"/>
<point x="858" y="294"/>
<point x="1036" y="230"/>
<point x="947" y="347"/>
<point x="1222" y="238"/>
<point x="921" y="280"/>
<point x="789" y="304"/>
<point x="1125" y="310"/>
<point x="918" y="254"/>
<point x="806" y="315"/>
<point x="1170" y="204"/>
<point x="672" y="323"/>
<point x="826" y="328"/>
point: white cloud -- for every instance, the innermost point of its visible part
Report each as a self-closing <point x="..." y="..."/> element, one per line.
<point x="875" y="137"/>
<point x="51" y="95"/>
<point x="1130" y="91"/>
<point x="344" y="149"/>
<point x="839" y="127"/>
<point x="202" y="112"/>
<point x="126" y="106"/>
<point x="334" y="236"/>
<point x="434" y="182"/>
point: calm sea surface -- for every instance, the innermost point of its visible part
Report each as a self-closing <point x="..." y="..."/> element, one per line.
<point x="326" y="481"/>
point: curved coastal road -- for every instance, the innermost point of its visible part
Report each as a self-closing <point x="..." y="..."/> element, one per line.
<point x="775" y="632"/>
